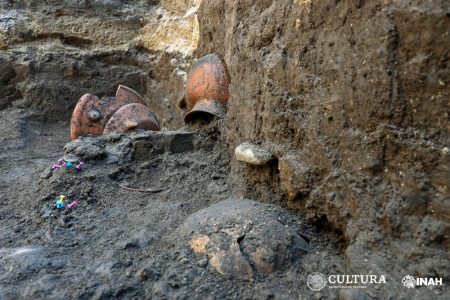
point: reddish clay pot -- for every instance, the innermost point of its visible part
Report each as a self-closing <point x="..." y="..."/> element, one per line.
<point x="130" y="117"/>
<point x="207" y="88"/>
<point x="91" y="114"/>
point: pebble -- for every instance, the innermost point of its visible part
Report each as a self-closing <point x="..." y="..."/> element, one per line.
<point x="142" y="274"/>
<point x="46" y="212"/>
<point x="252" y="154"/>
<point x="202" y="263"/>
<point x="62" y="222"/>
<point x="183" y="260"/>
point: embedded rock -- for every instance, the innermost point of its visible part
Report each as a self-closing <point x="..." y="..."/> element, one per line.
<point x="295" y="176"/>
<point x="137" y="145"/>
<point x="86" y="148"/>
<point x="243" y="238"/>
<point x="252" y="154"/>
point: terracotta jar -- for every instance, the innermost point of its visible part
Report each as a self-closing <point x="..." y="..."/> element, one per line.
<point x="207" y="88"/>
<point x="91" y="114"/>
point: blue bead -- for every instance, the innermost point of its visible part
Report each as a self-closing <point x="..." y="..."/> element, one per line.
<point x="68" y="164"/>
<point x="59" y="204"/>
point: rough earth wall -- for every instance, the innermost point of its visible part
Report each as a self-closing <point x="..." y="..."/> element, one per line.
<point x="353" y="99"/>
<point x="55" y="51"/>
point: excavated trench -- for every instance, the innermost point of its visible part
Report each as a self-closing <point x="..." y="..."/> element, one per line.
<point x="143" y="200"/>
<point x="357" y="183"/>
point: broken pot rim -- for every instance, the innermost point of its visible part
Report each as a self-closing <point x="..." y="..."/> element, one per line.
<point x="209" y="106"/>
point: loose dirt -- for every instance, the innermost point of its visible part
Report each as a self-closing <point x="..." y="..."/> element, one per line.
<point x="123" y="242"/>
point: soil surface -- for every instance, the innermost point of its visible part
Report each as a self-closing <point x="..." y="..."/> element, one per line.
<point x="121" y="243"/>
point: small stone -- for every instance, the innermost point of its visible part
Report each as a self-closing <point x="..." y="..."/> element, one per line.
<point x="202" y="263"/>
<point x="62" y="222"/>
<point x="252" y="154"/>
<point x="142" y="274"/>
<point x="183" y="260"/>
<point x="46" y="212"/>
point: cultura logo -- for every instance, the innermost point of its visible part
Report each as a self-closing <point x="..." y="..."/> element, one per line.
<point x="411" y="282"/>
<point x="317" y="281"/>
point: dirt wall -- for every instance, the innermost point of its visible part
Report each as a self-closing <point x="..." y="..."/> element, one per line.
<point x="353" y="99"/>
<point x="53" y="52"/>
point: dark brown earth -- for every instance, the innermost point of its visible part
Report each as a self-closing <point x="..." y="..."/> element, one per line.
<point x="354" y="95"/>
<point x="119" y="243"/>
<point x="350" y="97"/>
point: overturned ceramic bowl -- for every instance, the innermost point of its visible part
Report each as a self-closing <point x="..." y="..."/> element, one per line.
<point x="91" y="114"/>
<point x="131" y="117"/>
<point x="207" y="88"/>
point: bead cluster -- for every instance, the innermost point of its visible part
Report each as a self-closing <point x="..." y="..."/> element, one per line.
<point x="60" y="203"/>
<point x="62" y="163"/>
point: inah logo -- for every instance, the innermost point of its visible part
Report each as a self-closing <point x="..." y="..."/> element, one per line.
<point x="409" y="281"/>
<point x="316" y="281"/>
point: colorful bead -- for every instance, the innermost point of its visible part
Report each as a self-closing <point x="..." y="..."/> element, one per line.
<point x="59" y="204"/>
<point x="56" y="167"/>
<point x="68" y="164"/>
<point x="73" y="204"/>
<point x="80" y="165"/>
<point x="59" y="164"/>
